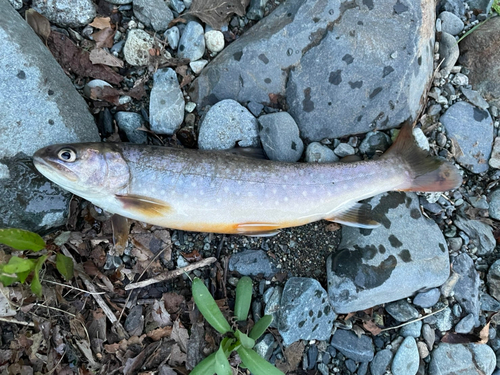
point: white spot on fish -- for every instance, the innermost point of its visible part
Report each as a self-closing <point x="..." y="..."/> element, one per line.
<point x="153" y="189"/>
<point x="239" y="182"/>
<point x="193" y="184"/>
<point x="218" y="200"/>
<point x="238" y="193"/>
<point x="285" y="177"/>
<point x="250" y="194"/>
<point x="163" y="192"/>
<point x="185" y="195"/>
<point x="314" y="191"/>
<point x="275" y="191"/>
<point x="212" y="184"/>
<point x="304" y="193"/>
<point x="285" y="199"/>
<point x="276" y="203"/>
<point x="226" y="189"/>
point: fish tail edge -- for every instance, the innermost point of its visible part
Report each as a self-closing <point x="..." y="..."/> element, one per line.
<point x="427" y="173"/>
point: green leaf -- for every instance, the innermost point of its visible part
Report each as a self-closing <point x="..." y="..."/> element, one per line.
<point x="64" y="265"/>
<point x="21" y="239"/>
<point x="227" y="345"/>
<point x="205" y="367"/>
<point x="36" y="286"/>
<point x="260" y="327"/>
<point x="18" y="265"/>
<point x="7" y="280"/>
<point x="243" y="298"/>
<point x="208" y="308"/>
<point x="222" y="366"/>
<point x="255" y="363"/>
<point x="246" y="341"/>
<point x="22" y="276"/>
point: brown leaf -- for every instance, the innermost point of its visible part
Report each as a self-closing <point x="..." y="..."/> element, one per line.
<point x="484" y="334"/>
<point x="293" y="356"/>
<point x="104" y="38"/>
<point x="76" y="60"/>
<point x="101" y="56"/>
<point x="459" y="338"/>
<point x="159" y="333"/>
<point x="180" y="335"/>
<point x="101" y="23"/>
<point x="216" y="12"/>
<point x="371" y="327"/>
<point x="39" y="24"/>
<point x="173" y="302"/>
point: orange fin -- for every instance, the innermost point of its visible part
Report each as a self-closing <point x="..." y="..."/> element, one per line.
<point x="428" y="173"/>
<point x="145" y="206"/>
<point x="258" y="229"/>
<point x="358" y="215"/>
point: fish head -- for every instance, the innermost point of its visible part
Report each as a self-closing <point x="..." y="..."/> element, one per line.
<point x="90" y="170"/>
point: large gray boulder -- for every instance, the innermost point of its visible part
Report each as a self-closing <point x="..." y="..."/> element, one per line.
<point x="40" y="106"/>
<point x="341" y="75"/>
<point x="390" y="262"/>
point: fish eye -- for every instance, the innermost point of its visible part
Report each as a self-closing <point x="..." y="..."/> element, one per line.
<point x="67" y="154"/>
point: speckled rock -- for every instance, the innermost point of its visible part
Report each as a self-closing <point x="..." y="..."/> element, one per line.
<point x="226" y="125"/>
<point x="472" y="128"/>
<point x="305" y="312"/>
<point x="338" y="51"/>
<point x="214" y="40"/>
<point x="192" y="42"/>
<point x="480" y="53"/>
<point x="390" y="262"/>
<point x="467" y="287"/>
<point x="252" y="263"/>
<point x="70" y="13"/>
<point x="153" y="13"/>
<point x="448" y="52"/>
<point x="280" y="137"/>
<point x="137" y="46"/>
<point x="318" y="153"/>
<point x="450" y="23"/>
<point x="480" y="234"/>
<point x="129" y="122"/>
<point x="36" y="112"/>
<point x="406" y="360"/>
<point x="166" y="105"/>
<point x="494" y="279"/>
<point x="464" y="359"/>
<point x="359" y="349"/>
<point x="427" y="299"/>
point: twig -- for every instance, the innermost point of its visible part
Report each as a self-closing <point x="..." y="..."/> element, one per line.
<point x="86" y="280"/>
<point x="54" y="308"/>
<point x="72" y="287"/>
<point x="14" y="321"/>
<point x="171" y="274"/>
<point x="413" y="321"/>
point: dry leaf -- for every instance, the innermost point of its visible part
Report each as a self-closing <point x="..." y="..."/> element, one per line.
<point x="159" y="333"/>
<point x="104" y="38"/>
<point x="180" y="335"/>
<point x="100" y="56"/>
<point x="293" y="356"/>
<point x="216" y="12"/>
<point x="101" y="23"/>
<point x="371" y="327"/>
<point x="38" y="23"/>
<point x="484" y="334"/>
<point x="160" y="314"/>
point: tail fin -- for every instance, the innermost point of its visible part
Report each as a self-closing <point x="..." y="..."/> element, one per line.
<point x="428" y="173"/>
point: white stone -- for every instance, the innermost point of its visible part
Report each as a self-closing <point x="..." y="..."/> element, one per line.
<point x="197" y="66"/>
<point x="87" y="89"/>
<point x="190" y="106"/>
<point x="214" y="41"/>
<point x="495" y="154"/>
<point x="137" y="46"/>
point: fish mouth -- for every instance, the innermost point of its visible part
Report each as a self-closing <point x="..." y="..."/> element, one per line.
<point x="53" y="170"/>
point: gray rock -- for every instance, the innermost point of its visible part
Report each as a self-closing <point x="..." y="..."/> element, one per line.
<point x="266" y="346"/>
<point x="137" y="46"/>
<point x="455" y="6"/>
<point x="252" y="263"/>
<point x="197" y="66"/>
<point x="401" y="310"/>
<point x="429" y="335"/>
<point x="17" y="4"/>
<point x="467" y="286"/>
<point x="87" y="89"/>
<point x="369" y="71"/>
<point x="166" y="105"/>
<point x="464" y="359"/>
<point x="443" y="319"/>
<point x="373" y="142"/>
<point x="172" y="35"/>
<point x="134" y="323"/>
<point x="192" y="42"/>
<point x="119" y="2"/>
<point x="40" y="106"/>
<point x="481" y="5"/>
<point x="411" y="330"/>
<point x="480" y="53"/>
<point x="344" y="149"/>
<point x="450" y="23"/>
<point x="494" y="208"/>
<point x="390" y="262"/>
<point x="255" y="108"/>
<point x="480" y="234"/>
<point x="129" y="122"/>
<point x="318" y="153"/>
<point x="272" y="298"/>
<point x="427" y="299"/>
<point x="406" y="360"/>
<point x="71" y="13"/>
<point x="475" y="98"/>
<point x="226" y="125"/>
<point x="177" y="5"/>
<point x="312" y="356"/>
<point x="256" y="9"/>
<point x="359" y="349"/>
<point x="494" y="161"/>
<point x="494" y="279"/>
<point x="280" y="138"/>
<point x="479" y="202"/>
<point x="465" y="325"/>
<point x="153" y="13"/>
<point x="448" y="52"/>
<point x="472" y="128"/>
<point x="488" y="303"/>
<point x="305" y="312"/>
<point x="381" y="362"/>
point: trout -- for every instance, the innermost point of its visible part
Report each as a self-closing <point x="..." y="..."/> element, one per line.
<point x="219" y="192"/>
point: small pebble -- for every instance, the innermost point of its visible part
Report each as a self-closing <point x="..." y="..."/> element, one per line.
<point x="344" y="149"/>
<point x="172" y="35"/>
<point x="214" y="41"/>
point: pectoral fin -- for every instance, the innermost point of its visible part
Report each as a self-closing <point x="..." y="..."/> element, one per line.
<point x="258" y="229"/>
<point x="357" y="215"/>
<point x="145" y="206"/>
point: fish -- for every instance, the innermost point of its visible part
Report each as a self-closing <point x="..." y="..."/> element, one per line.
<point x="222" y="192"/>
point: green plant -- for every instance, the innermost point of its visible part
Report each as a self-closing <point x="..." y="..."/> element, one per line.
<point x="19" y="268"/>
<point x="234" y="340"/>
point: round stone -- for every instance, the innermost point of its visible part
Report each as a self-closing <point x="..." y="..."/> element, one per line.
<point x="214" y="41"/>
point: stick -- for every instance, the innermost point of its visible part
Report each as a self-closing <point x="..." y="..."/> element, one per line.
<point x="171" y="274"/>
<point x="14" y="321"/>
<point x="414" y="320"/>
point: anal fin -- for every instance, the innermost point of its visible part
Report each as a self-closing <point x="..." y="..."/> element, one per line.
<point x="145" y="206"/>
<point x="258" y="229"/>
<point x="357" y="215"/>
